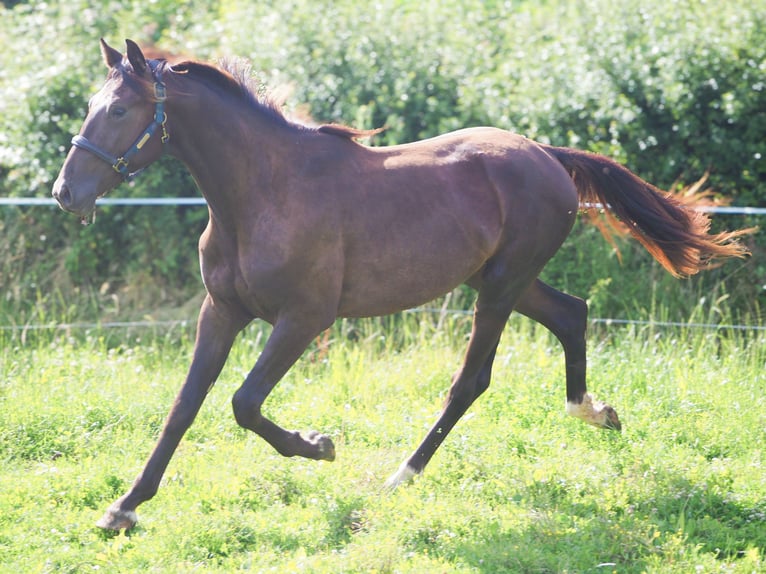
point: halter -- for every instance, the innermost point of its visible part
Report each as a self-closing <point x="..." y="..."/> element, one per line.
<point x="121" y="164"/>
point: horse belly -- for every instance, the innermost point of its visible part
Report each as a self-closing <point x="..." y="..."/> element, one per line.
<point x="397" y="292"/>
<point x="407" y="274"/>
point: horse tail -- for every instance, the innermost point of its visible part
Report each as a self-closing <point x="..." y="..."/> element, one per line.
<point x="673" y="232"/>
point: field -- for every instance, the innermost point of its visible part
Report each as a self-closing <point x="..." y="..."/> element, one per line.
<point x="673" y="90"/>
<point x="517" y="487"/>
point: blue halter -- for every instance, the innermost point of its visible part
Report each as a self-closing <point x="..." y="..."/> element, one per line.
<point x="121" y="164"/>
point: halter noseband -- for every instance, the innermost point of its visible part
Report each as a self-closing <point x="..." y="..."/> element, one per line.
<point x="121" y="164"/>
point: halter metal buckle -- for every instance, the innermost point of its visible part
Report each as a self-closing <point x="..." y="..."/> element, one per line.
<point x="120" y="165"/>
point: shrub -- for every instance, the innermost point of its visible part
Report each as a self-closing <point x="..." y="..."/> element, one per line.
<point x="664" y="88"/>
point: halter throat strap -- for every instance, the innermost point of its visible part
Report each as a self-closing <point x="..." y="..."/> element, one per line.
<point x="121" y="164"/>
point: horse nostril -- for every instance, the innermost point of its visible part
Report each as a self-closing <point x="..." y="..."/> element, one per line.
<point x="62" y="194"/>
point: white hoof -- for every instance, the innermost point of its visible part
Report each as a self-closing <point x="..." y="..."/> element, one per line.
<point x="401" y="476"/>
<point x="116" y="519"/>
<point x="595" y="413"/>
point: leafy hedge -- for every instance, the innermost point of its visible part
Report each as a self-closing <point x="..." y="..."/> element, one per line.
<point x="671" y="88"/>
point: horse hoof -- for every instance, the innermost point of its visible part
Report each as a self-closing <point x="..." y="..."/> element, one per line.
<point x="116" y="519"/>
<point x="325" y="448"/>
<point x="595" y="413"/>
<point x="611" y="421"/>
<point x="403" y="475"/>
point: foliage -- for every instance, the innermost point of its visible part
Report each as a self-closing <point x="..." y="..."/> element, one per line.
<point x="516" y="487"/>
<point x="664" y="87"/>
<point x="48" y="259"/>
<point x="673" y="89"/>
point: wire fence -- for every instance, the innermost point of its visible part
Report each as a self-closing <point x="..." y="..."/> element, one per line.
<point x="178" y="201"/>
<point x="135" y="201"/>
<point x="607" y="322"/>
<point x="199" y="201"/>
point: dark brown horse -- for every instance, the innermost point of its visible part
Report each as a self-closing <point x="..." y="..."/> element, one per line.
<point x="307" y="225"/>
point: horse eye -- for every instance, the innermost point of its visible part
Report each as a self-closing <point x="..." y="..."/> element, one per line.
<point x="117" y="111"/>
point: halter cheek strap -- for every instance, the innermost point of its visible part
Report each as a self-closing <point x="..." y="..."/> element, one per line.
<point x="121" y="164"/>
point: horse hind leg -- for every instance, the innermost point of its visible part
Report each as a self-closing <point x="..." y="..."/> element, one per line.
<point x="493" y="307"/>
<point x="410" y="468"/>
<point x="566" y="317"/>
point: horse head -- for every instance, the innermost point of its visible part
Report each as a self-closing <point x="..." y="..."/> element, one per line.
<point x="123" y="132"/>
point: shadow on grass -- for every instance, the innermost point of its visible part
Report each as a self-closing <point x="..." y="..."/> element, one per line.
<point x="682" y="521"/>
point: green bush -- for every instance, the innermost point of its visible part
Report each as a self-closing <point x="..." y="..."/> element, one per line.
<point x="672" y="89"/>
<point x="144" y="254"/>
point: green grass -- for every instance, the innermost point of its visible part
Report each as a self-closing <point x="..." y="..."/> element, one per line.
<point x="517" y="487"/>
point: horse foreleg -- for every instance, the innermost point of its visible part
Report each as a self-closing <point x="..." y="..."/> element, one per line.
<point x="566" y="317"/>
<point x="287" y="342"/>
<point x="215" y="335"/>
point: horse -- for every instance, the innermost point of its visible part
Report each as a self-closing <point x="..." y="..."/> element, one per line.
<point x="306" y="225"/>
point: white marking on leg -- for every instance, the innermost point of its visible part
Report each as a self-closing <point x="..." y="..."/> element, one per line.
<point x="401" y="476"/>
<point x="584" y="410"/>
<point x="116" y="519"/>
<point x="593" y="412"/>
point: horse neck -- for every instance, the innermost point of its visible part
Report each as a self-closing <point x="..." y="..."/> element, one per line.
<point x="226" y="146"/>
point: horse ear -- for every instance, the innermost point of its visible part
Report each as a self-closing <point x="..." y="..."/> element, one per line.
<point x="111" y="56"/>
<point x="136" y="57"/>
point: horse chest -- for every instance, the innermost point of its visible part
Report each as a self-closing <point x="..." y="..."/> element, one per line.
<point x="231" y="287"/>
<point x="223" y="275"/>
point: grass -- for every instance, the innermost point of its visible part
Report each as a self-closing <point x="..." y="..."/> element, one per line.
<point x="517" y="487"/>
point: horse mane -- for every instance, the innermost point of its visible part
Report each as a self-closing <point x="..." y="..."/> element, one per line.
<point x="235" y="77"/>
<point x="347" y="131"/>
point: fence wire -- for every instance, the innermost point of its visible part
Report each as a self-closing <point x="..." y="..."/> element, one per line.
<point x="85" y="325"/>
<point x="200" y="201"/>
<point x="147" y="201"/>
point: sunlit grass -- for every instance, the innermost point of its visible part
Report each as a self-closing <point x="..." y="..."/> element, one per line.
<point x="517" y="486"/>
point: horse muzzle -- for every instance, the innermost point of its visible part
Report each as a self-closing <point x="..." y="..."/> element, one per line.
<point x="66" y="199"/>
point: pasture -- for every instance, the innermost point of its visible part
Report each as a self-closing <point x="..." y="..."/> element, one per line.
<point x="517" y="487"/>
<point x="672" y="90"/>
